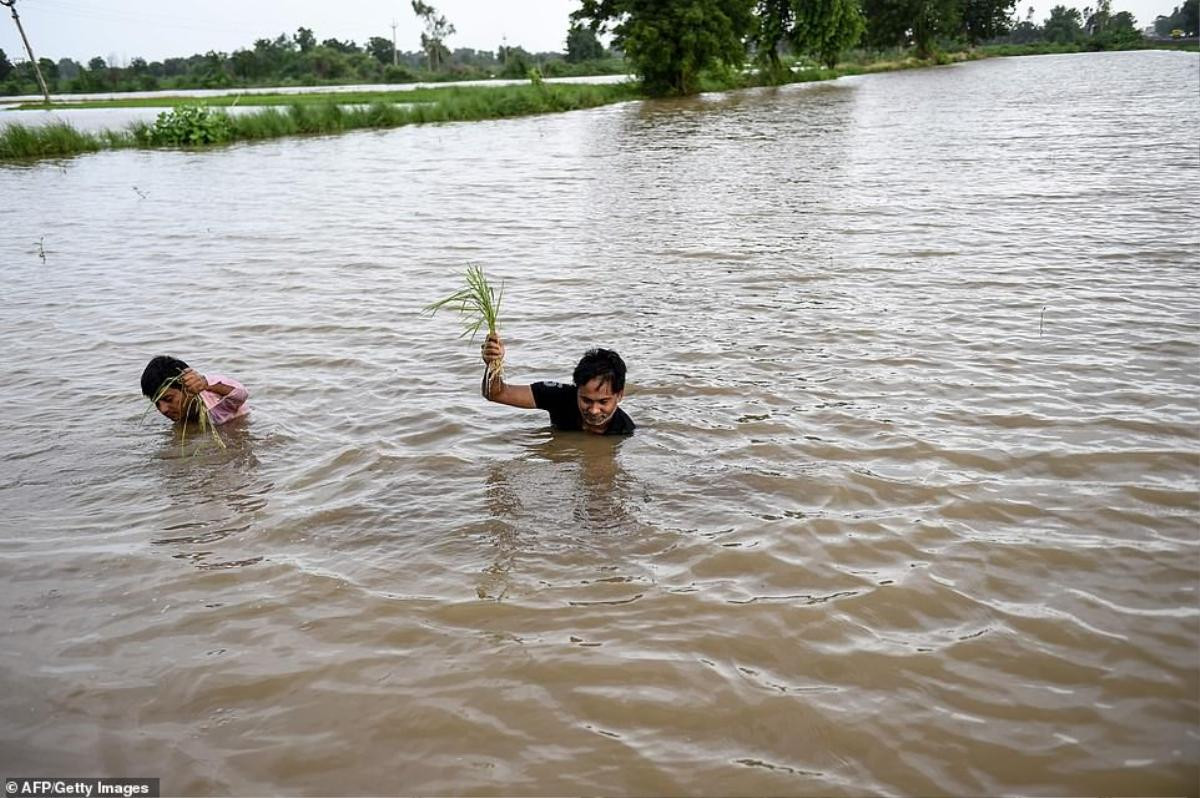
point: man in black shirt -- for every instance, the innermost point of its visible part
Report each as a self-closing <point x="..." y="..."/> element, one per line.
<point x="589" y="405"/>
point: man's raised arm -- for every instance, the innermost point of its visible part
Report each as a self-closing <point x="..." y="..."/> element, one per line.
<point x="497" y="390"/>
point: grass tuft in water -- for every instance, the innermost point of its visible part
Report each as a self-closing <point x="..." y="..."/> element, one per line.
<point x="479" y="304"/>
<point x="20" y="142"/>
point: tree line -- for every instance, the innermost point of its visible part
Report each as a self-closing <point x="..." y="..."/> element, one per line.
<point x="302" y="59"/>
<point x="672" y="43"/>
<point x="669" y="44"/>
<point x="1098" y="27"/>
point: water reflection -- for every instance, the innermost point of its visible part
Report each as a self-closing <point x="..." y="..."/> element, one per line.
<point x="215" y="494"/>
<point x="557" y="495"/>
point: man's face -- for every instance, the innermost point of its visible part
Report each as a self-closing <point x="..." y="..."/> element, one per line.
<point x="597" y="402"/>
<point x="171" y="404"/>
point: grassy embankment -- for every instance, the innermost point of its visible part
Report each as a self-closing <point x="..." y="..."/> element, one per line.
<point x="322" y="114"/>
<point x="333" y="112"/>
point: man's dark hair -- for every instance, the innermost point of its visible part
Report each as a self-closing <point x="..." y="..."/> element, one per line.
<point x="160" y="369"/>
<point x="603" y="363"/>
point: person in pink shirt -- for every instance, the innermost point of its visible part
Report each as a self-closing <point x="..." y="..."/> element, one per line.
<point x="171" y="384"/>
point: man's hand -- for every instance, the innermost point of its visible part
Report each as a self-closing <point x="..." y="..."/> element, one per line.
<point x="493" y="349"/>
<point x="497" y="390"/>
<point x="193" y="382"/>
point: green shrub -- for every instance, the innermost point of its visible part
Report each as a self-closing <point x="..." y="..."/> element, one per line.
<point x="398" y="74"/>
<point x="188" y="126"/>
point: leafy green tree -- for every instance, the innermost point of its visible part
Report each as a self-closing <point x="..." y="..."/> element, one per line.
<point x="398" y="74"/>
<point x="468" y="56"/>
<point x="516" y="62"/>
<point x="1120" y="30"/>
<point x="245" y="64"/>
<point x="774" y="21"/>
<point x="6" y="66"/>
<point x="986" y="19"/>
<point x="97" y="64"/>
<point x="582" y="44"/>
<point x="1163" y="24"/>
<point x="1124" y="21"/>
<point x="50" y="69"/>
<point x="918" y="22"/>
<point x="174" y="67"/>
<point x="437" y="30"/>
<point x="305" y="39"/>
<point x="1026" y="30"/>
<point x="1096" y="21"/>
<point x="822" y="29"/>
<point x="361" y="66"/>
<point x="1063" y="26"/>
<point x="68" y="69"/>
<point x="670" y="42"/>
<point x="826" y="28"/>
<point x="1189" y="20"/>
<point x="346" y="47"/>
<point x="326" y="63"/>
<point x="270" y="56"/>
<point x="381" y="50"/>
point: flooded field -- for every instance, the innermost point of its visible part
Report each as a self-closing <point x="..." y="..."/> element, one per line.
<point x="912" y="507"/>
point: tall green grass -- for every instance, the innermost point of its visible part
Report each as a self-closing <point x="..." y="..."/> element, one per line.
<point x="56" y="139"/>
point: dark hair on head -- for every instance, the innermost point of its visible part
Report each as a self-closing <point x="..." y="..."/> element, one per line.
<point x="160" y="369"/>
<point x="603" y="363"/>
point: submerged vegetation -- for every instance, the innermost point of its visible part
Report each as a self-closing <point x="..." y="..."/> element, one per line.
<point x="479" y="304"/>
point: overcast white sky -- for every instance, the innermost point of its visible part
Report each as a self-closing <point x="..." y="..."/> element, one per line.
<point x="157" y="29"/>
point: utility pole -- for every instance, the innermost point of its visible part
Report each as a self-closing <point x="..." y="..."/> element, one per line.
<point x="395" y="52"/>
<point x="37" y="70"/>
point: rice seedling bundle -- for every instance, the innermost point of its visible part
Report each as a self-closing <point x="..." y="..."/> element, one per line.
<point x="193" y="406"/>
<point x="479" y="305"/>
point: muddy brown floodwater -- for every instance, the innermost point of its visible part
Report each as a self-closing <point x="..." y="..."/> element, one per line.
<point x="912" y="508"/>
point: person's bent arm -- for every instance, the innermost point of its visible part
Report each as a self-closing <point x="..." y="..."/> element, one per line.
<point x="497" y="390"/>
<point x="232" y="396"/>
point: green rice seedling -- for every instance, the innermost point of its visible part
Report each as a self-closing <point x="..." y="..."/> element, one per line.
<point x="479" y="304"/>
<point x="193" y="407"/>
